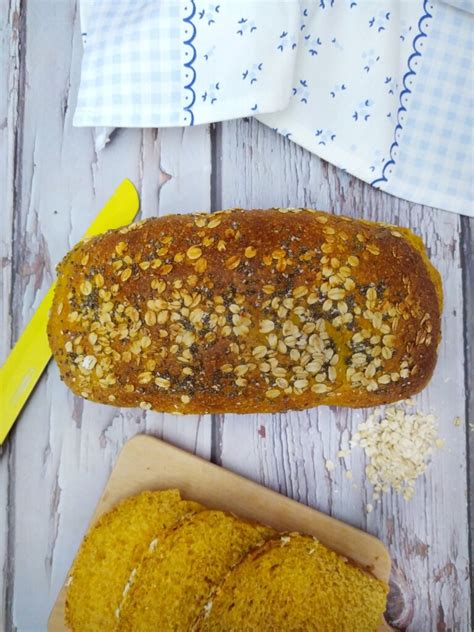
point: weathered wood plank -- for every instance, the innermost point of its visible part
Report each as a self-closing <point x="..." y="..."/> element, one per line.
<point x="467" y="242"/>
<point x="63" y="448"/>
<point x="428" y="536"/>
<point x="11" y="69"/>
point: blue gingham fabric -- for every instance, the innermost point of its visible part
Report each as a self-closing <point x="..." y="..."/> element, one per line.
<point x="150" y="63"/>
<point x="438" y="140"/>
<point x="381" y="88"/>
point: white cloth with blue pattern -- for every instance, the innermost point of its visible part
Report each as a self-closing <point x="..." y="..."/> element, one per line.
<point x="380" y="88"/>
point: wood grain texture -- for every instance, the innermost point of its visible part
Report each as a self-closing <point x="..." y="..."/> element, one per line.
<point x="467" y="242"/>
<point x="63" y="448"/>
<point x="56" y="461"/>
<point x="427" y="537"/>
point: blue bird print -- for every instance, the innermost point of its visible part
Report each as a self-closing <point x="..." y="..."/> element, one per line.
<point x="245" y="26"/>
<point x="210" y="94"/>
<point x="284" y="132"/>
<point x="368" y="56"/>
<point x="252" y="74"/>
<point x="338" y="88"/>
<point x="302" y="91"/>
<point x="362" y="112"/>
<point x="254" y="108"/>
<point x="286" y="43"/>
<point x="405" y="32"/>
<point x="379" y="20"/>
<point x="324" y="136"/>
<point x="209" y="53"/>
<point x="209" y="13"/>
<point x="311" y="44"/>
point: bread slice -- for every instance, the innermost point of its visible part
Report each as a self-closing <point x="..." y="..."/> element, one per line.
<point x="110" y="552"/>
<point x="174" y="581"/>
<point x="247" y="311"/>
<point x="294" y="583"/>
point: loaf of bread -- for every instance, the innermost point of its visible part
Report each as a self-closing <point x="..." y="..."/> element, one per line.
<point x="157" y="562"/>
<point x="247" y="311"/>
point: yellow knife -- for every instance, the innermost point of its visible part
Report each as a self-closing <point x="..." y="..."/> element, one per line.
<point x="31" y="353"/>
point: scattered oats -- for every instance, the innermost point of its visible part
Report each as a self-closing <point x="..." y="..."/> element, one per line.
<point x="145" y="405"/>
<point x="250" y="252"/>
<point x="329" y="465"/>
<point x="457" y="422"/>
<point x="185" y="399"/>
<point x="348" y="475"/>
<point x="398" y="446"/>
<point x="369" y="508"/>
<point x="341" y="454"/>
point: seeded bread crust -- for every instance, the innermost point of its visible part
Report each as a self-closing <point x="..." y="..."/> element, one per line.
<point x="247" y="311"/>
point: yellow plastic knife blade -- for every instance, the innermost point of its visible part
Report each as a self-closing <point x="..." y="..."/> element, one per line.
<point x="30" y="355"/>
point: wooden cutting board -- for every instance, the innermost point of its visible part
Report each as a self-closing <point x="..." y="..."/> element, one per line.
<point x="146" y="463"/>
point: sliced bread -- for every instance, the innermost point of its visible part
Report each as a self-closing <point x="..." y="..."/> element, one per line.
<point x="175" y="579"/>
<point x="110" y="552"/>
<point x="292" y="584"/>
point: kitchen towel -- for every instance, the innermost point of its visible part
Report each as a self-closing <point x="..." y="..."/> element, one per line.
<point x="380" y="88"/>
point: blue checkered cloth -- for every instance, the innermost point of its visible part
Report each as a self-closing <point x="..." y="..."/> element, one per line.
<point x="124" y="82"/>
<point x="435" y="163"/>
<point x="381" y="88"/>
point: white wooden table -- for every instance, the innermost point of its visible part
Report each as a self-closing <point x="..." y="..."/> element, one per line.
<point x="57" y="459"/>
